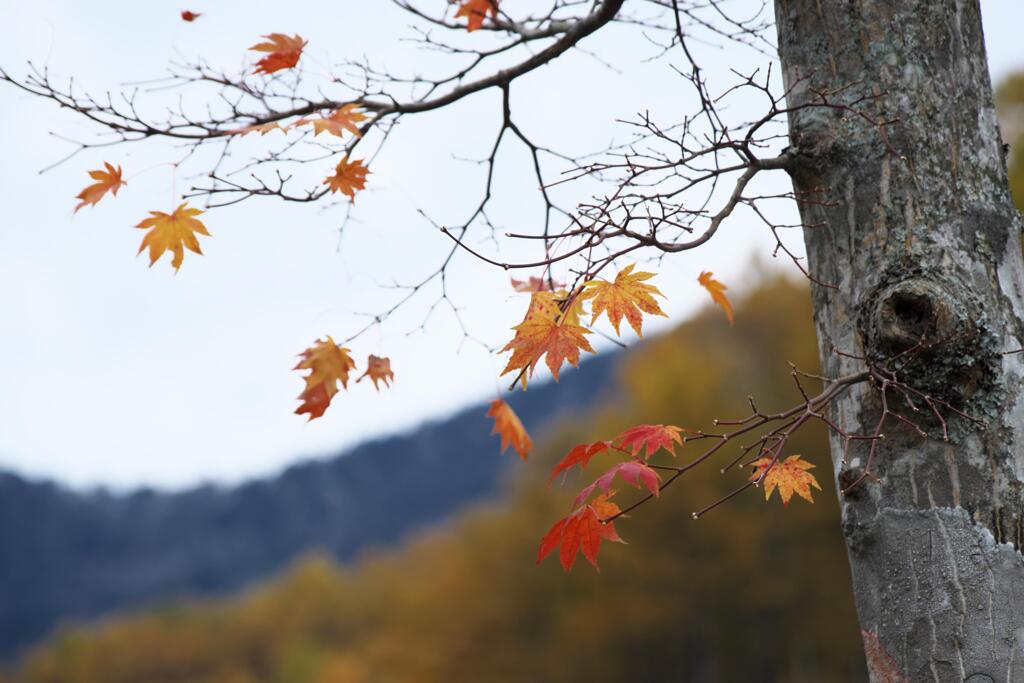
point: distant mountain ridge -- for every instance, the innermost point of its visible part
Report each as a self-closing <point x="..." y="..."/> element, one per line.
<point x="76" y="555"/>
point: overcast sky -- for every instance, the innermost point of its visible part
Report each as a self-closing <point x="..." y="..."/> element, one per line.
<point x="113" y="373"/>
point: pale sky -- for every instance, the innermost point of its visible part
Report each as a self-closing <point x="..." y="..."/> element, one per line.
<point x="112" y="373"/>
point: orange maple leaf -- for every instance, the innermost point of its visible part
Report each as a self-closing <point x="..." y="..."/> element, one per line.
<point x="789" y="475"/>
<point x="603" y="505"/>
<point x="508" y="425"/>
<point x="542" y="336"/>
<point x="628" y="296"/>
<point x="634" y="472"/>
<point x="173" y="231"/>
<point x="283" y="52"/>
<point x="476" y="11"/>
<point x="262" y="129"/>
<point x="580" y="454"/>
<point x="348" y="178"/>
<point x="651" y="436"/>
<point x="378" y="369"/>
<point x="190" y="16"/>
<point x="717" y="291"/>
<point x="341" y="119"/>
<point x="106" y="181"/>
<point x="328" y="364"/>
<point x="581" y="530"/>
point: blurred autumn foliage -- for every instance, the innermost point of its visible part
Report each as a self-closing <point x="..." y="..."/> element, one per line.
<point x="1010" y="105"/>
<point x="748" y="592"/>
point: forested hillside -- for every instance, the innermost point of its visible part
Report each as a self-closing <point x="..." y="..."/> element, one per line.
<point x="68" y="554"/>
<point x="748" y="592"/>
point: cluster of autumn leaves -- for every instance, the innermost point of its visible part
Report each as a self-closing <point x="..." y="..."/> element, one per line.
<point x="552" y="329"/>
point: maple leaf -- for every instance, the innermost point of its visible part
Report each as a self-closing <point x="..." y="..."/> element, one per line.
<point x="378" y="369"/>
<point x="789" y="475"/>
<point x="190" y="16"/>
<point x="535" y="284"/>
<point x="651" y="436"/>
<point x="580" y="454"/>
<point x="548" y="304"/>
<point x="633" y="472"/>
<point x="348" y="178"/>
<point x="476" y="11"/>
<point x="508" y="425"/>
<point x="542" y="336"/>
<point x="604" y="507"/>
<point x="328" y="364"/>
<point x="108" y="180"/>
<point x="341" y="119"/>
<point x="262" y="129"/>
<point x="717" y="291"/>
<point x="627" y="297"/>
<point x="173" y="231"/>
<point x="283" y="52"/>
<point x="581" y="530"/>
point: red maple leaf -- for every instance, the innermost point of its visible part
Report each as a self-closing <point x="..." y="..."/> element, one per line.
<point x="581" y="530"/>
<point x="579" y="455"/>
<point x="651" y="436"/>
<point x="633" y="472"/>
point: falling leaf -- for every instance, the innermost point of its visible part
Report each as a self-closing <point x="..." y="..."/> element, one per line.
<point x="283" y="52"/>
<point x="633" y="472"/>
<point x="173" y="231"/>
<point x="106" y="181"/>
<point x="542" y="336"/>
<point x="328" y="364"/>
<point x="535" y="284"/>
<point x="341" y="119"/>
<point x="378" y="369"/>
<point x="628" y="296"/>
<point x="508" y="425"/>
<point x="717" y="291"/>
<point x="348" y="178"/>
<point x="262" y="129"/>
<point x="651" y="436"/>
<point x="476" y="11"/>
<point x="190" y="16"/>
<point x="582" y="530"/>
<point x="789" y="475"/>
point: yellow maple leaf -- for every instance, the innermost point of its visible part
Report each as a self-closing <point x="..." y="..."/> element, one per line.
<point x="378" y="369"/>
<point x="508" y="425"/>
<point x="328" y="364"/>
<point x="717" y="291"/>
<point x="629" y="296"/>
<point x="173" y="231"/>
<point x="341" y="119"/>
<point x="108" y="180"/>
<point x="789" y="476"/>
<point x="348" y="178"/>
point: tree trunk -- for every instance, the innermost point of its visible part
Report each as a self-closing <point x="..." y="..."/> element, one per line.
<point x="923" y="242"/>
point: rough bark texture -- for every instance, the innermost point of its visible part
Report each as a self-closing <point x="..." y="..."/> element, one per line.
<point x="924" y="242"/>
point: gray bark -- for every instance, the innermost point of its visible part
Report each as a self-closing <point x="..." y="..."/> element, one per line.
<point x="923" y="242"/>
